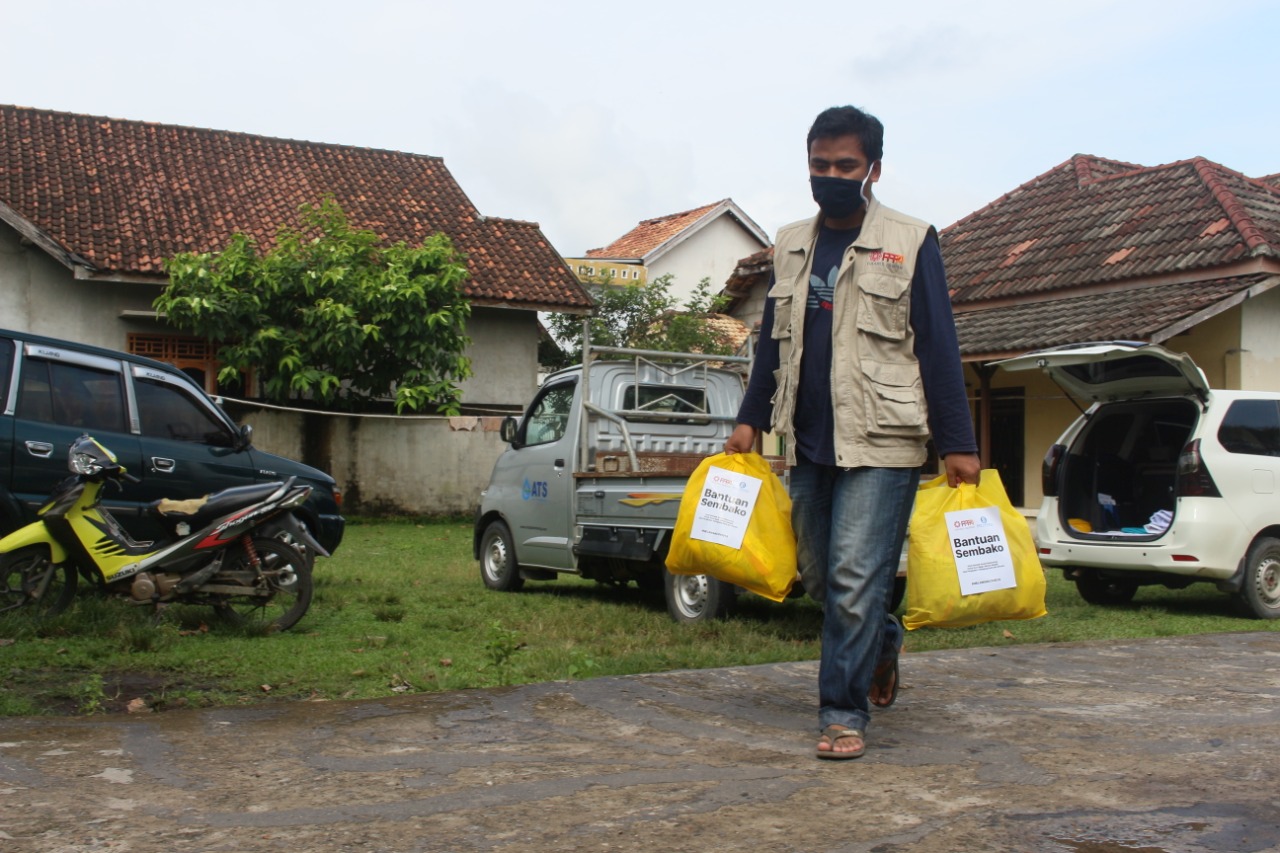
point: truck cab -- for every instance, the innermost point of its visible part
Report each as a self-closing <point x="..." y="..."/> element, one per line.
<point x="592" y="477"/>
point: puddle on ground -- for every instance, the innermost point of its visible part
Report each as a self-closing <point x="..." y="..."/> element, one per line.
<point x="1112" y="845"/>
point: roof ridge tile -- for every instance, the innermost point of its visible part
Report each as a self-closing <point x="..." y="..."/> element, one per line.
<point x="1254" y="237"/>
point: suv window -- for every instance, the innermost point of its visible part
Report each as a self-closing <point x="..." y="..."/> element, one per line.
<point x="6" y="369"/>
<point x="1252" y="427"/>
<point x="71" y="395"/>
<point x="166" y="411"/>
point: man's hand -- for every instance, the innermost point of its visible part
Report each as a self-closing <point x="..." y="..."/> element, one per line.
<point x="743" y="439"/>
<point x="962" y="468"/>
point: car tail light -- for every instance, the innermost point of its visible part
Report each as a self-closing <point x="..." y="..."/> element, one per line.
<point x="1049" y="470"/>
<point x="1194" y="479"/>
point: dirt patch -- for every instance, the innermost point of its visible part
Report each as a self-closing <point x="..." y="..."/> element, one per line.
<point x="75" y="693"/>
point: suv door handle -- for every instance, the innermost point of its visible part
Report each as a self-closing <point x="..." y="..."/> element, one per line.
<point x="43" y="449"/>
<point x="162" y="465"/>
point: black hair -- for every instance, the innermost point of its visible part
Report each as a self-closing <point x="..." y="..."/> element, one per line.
<point x="849" y="121"/>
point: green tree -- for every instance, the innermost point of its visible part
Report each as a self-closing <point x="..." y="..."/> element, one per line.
<point x="640" y="316"/>
<point x="329" y="314"/>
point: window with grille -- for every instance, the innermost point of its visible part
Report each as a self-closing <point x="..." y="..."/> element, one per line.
<point x="195" y="357"/>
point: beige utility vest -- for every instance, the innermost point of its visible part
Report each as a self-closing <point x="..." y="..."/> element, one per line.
<point x="881" y="418"/>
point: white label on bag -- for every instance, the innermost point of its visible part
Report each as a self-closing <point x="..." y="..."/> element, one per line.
<point x="981" y="549"/>
<point x="727" y="501"/>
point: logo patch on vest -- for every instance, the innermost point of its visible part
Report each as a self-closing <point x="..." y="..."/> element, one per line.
<point x="888" y="259"/>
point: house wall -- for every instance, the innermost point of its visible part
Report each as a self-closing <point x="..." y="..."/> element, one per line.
<point x="1048" y="412"/>
<point x="713" y="252"/>
<point x="1260" y="359"/>
<point x="750" y="311"/>
<point x="40" y="295"/>
<point x="591" y="270"/>
<point x="1239" y="348"/>
<point x="504" y="357"/>
<point x="1214" y="346"/>
<point x="384" y="465"/>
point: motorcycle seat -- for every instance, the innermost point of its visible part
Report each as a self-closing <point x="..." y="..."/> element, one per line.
<point x="195" y="510"/>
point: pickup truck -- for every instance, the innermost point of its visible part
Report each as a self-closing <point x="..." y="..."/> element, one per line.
<point x="592" y="479"/>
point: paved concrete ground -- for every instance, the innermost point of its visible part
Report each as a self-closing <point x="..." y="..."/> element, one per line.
<point x="1164" y="745"/>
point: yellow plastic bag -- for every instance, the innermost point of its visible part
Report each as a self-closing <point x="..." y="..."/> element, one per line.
<point x="716" y="510"/>
<point x="962" y="540"/>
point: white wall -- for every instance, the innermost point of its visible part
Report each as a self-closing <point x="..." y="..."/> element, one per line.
<point x="1260" y="343"/>
<point x="712" y="252"/>
<point x="750" y="311"/>
<point x="387" y="465"/>
<point x="40" y="295"/>
<point x="504" y="357"/>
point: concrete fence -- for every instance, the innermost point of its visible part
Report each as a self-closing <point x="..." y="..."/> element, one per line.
<point x="385" y="465"/>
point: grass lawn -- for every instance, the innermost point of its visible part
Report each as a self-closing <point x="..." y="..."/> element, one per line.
<point x="401" y="609"/>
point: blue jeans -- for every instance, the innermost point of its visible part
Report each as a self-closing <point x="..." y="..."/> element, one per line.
<point x="850" y="524"/>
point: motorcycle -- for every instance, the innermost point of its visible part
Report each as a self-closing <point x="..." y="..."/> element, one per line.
<point x="239" y="550"/>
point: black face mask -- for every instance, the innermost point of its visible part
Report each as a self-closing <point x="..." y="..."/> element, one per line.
<point x="838" y="197"/>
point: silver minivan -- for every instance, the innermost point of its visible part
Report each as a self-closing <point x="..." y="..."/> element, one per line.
<point x="1162" y="480"/>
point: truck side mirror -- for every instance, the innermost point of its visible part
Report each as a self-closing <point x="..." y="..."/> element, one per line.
<point x="508" y="429"/>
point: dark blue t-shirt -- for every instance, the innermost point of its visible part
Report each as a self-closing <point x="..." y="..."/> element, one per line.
<point x="936" y="348"/>
<point x="815" y="424"/>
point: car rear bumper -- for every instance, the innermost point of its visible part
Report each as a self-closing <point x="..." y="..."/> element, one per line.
<point x="1206" y="540"/>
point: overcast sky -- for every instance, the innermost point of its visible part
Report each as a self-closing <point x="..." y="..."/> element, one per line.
<point x="587" y="117"/>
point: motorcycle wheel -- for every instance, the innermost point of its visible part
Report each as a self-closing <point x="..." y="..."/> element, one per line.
<point x="31" y="581"/>
<point x="285" y="579"/>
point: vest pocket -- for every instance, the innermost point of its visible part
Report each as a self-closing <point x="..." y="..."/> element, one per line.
<point x="781" y="401"/>
<point x="894" y="399"/>
<point x="882" y="305"/>
<point x="782" y="295"/>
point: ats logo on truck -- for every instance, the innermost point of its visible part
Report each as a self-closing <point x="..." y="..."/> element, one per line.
<point x="534" y="491"/>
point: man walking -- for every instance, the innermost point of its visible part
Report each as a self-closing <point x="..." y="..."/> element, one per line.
<point x="857" y="365"/>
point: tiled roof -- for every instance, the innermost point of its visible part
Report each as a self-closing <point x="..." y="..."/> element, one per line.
<point x="730" y="329"/>
<point x="1091" y="221"/>
<point x="120" y="196"/>
<point x="1153" y="312"/>
<point x="652" y="233"/>
<point x="751" y="272"/>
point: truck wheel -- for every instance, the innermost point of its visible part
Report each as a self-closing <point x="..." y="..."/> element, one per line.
<point x="697" y="598"/>
<point x="1260" y="595"/>
<point x="498" y="566"/>
<point x="1097" y="590"/>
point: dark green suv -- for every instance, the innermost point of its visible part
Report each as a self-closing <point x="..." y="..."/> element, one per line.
<point x="164" y="429"/>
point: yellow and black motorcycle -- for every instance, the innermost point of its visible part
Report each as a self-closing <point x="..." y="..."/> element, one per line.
<point x="238" y="550"/>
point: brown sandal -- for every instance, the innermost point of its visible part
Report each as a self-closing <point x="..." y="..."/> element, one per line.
<point x="886" y="680"/>
<point x="831" y="734"/>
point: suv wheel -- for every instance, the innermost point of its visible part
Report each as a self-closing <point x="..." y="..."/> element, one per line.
<point x="1099" y="590"/>
<point x="1260" y="594"/>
